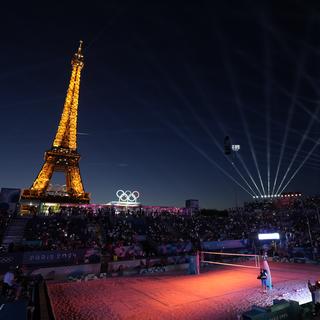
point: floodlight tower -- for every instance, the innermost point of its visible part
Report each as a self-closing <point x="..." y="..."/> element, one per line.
<point x="231" y="150"/>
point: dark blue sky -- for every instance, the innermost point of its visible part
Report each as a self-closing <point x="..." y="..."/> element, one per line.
<point x="162" y="81"/>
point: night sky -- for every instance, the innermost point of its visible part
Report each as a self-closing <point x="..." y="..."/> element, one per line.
<point x="164" y="82"/>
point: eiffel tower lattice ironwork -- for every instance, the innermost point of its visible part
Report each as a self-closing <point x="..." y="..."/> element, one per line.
<point x="63" y="155"/>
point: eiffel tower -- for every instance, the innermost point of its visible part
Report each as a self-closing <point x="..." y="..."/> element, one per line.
<point x="63" y="155"/>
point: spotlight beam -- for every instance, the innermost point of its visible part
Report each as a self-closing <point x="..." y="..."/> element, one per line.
<point x="282" y="43"/>
<point x="248" y="172"/>
<point x="267" y="103"/>
<point x="279" y="124"/>
<point x="181" y="135"/>
<point x="234" y="88"/>
<point x="313" y="115"/>
<point x="309" y="164"/>
<point x="311" y="81"/>
<point x="213" y="138"/>
<point x="291" y="111"/>
<point x="296" y="102"/>
<point x="218" y="145"/>
<point x="301" y="165"/>
<point x="204" y="126"/>
<point x="245" y="167"/>
<point x="288" y="156"/>
<point x="310" y="124"/>
<point x="206" y="156"/>
<point x="288" y="147"/>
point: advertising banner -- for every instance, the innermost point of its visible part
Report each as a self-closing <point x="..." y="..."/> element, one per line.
<point x="61" y="257"/>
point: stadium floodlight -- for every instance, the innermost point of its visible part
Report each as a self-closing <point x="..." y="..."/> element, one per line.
<point x="269" y="236"/>
<point x="235" y="147"/>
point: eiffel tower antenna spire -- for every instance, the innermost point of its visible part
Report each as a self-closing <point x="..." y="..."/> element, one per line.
<point x="80" y="47"/>
<point x="66" y="135"/>
<point x="63" y="155"/>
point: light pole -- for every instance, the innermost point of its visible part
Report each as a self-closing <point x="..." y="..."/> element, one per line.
<point x="235" y="148"/>
<point x="230" y="150"/>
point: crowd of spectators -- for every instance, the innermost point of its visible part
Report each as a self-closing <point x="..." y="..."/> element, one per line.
<point x="298" y="222"/>
<point x="4" y="220"/>
<point x="60" y="232"/>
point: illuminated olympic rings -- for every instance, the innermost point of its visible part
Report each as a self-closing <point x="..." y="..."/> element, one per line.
<point x="127" y="196"/>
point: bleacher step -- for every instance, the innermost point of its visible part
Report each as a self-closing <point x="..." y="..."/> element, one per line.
<point x="15" y="231"/>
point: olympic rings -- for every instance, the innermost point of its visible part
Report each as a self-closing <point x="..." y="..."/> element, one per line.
<point x="127" y="196"/>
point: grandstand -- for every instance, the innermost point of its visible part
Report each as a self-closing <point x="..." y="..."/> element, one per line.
<point x="81" y="247"/>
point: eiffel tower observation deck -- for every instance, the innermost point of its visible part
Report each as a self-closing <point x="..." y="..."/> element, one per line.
<point x="63" y="155"/>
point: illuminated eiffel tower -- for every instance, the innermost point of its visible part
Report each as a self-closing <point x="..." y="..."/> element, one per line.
<point x="63" y="155"/>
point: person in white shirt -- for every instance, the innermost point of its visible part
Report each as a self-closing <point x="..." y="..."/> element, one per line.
<point x="8" y="278"/>
<point x="8" y="283"/>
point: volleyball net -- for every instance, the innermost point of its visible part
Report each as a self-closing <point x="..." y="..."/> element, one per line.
<point x="242" y="260"/>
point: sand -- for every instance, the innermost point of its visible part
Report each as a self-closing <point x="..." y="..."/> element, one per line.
<point x="223" y="293"/>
